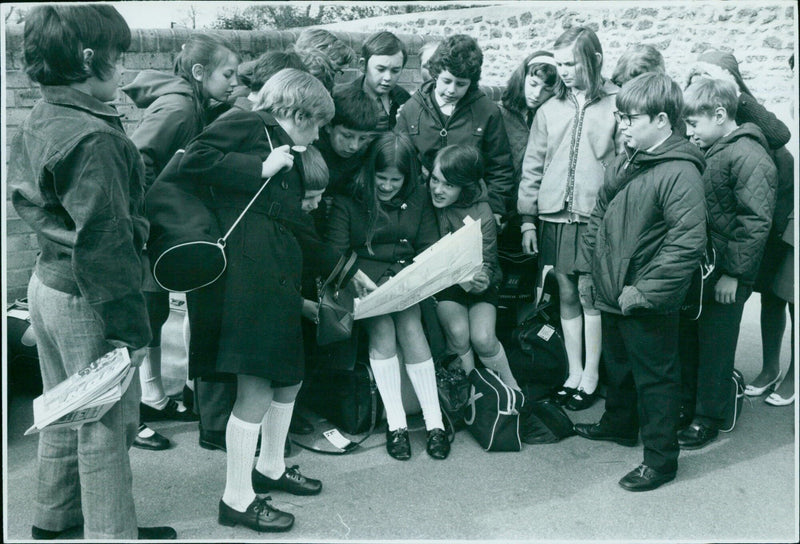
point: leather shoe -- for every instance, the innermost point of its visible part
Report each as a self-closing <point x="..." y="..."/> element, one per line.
<point x="215" y="440"/>
<point x="290" y="481"/>
<point x="172" y="411"/>
<point x="644" y="478"/>
<point x="259" y="516"/>
<point x="148" y="439"/>
<point x="145" y="533"/>
<point x="300" y="425"/>
<point x="397" y="444"/>
<point x="438" y="444"/>
<point x="562" y="395"/>
<point x="581" y="400"/>
<point x="593" y="431"/>
<point x="696" y="436"/>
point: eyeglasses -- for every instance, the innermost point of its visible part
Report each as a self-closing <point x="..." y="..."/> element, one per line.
<point x="626" y="118"/>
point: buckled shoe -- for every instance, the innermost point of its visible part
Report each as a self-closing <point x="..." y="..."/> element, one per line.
<point x="397" y="444"/>
<point x="593" y="431"/>
<point x="438" y="445"/>
<point x="644" y="478"/>
<point x="562" y="395"/>
<point x="696" y="436"/>
<point x="290" y="481"/>
<point x="581" y="400"/>
<point x="259" y="516"/>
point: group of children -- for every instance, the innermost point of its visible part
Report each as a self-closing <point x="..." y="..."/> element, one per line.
<point x="618" y="189"/>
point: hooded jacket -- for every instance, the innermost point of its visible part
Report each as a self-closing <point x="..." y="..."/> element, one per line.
<point x="451" y="218"/>
<point x="171" y="118"/>
<point x="475" y="120"/>
<point x="740" y="184"/>
<point x="648" y="229"/>
<point x="568" y="150"/>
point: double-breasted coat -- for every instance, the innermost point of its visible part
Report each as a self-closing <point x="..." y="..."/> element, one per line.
<point x="248" y="322"/>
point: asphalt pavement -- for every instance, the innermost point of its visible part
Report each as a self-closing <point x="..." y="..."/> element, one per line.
<point x="741" y="488"/>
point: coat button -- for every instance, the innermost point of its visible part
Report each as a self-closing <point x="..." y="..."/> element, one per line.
<point x="403" y="241"/>
<point x="281" y="229"/>
<point x="284" y="185"/>
<point x="283" y="281"/>
<point x="402" y="261"/>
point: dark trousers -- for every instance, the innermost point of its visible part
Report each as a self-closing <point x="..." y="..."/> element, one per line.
<point x="708" y="352"/>
<point x="644" y="383"/>
<point x="213" y="401"/>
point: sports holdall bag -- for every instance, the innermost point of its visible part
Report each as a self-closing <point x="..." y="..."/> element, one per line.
<point x="735" y="403"/>
<point x="493" y="411"/>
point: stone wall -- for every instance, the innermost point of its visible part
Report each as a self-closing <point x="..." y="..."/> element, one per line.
<point x="155" y="49"/>
<point x="762" y="35"/>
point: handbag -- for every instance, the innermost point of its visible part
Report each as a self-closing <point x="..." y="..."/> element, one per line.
<point x="186" y="248"/>
<point x="454" y="390"/>
<point x="335" y="310"/>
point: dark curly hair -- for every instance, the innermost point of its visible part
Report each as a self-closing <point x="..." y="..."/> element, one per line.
<point x="461" y="56"/>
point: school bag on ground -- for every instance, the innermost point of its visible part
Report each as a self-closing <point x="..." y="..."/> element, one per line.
<point x="492" y="413"/>
<point x="544" y="422"/>
<point x="736" y="401"/>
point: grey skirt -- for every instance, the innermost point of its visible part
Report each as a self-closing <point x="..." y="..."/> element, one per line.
<point x="559" y="244"/>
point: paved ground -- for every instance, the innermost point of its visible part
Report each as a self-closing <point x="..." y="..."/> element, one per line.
<point x="741" y="488"/>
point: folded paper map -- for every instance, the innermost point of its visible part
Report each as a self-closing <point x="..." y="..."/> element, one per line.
<point x="452" y="260"/>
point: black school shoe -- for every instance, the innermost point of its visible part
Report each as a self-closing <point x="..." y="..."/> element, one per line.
<point x="644" y="478"/>
<point x="155" y="442"/>
<point x="259" y="516"/>
<point x="397" y="444"/>
<point x="593" y="431"/>
<point x="696" y="436"/>
<point x="172" y="411"/>
<point x="438" y="444"/>
<point x="145" y="533"/>
<point x="581" y="400"/>
<point x="562" y="395"/>
<point x="290" y="481"/>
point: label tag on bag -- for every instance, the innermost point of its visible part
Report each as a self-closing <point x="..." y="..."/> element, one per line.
<point x="336" y="438"/>
<point x="545" y="332"/>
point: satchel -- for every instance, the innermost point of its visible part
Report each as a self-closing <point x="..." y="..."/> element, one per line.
<point x="735" y="402"/>
<point x="698" y="288"/>
<point x="493" y="411"/>
<point x="186" y="247"/>
<point x="335" y="310"/>
<point x="454" y="392"/>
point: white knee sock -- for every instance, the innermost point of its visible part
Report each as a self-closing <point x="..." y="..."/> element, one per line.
<point x="153" y="393"/>
<point x="387" y="378"/>
<point x="468" y="361"/>
<point x="593" y="333"/>
<point x="573" y="340"/>
<point x="241" y="438"/>
<point x="499" y="363"/>
<point x="274" y="429"/>
<point x="423" y="378"/>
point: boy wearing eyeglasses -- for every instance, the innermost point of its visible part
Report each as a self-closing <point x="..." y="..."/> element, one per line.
<point x="644" y="239"/>
<point x="740" y="187"/>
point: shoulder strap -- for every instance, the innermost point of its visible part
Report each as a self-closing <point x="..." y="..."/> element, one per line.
<point x="222" y="240"/>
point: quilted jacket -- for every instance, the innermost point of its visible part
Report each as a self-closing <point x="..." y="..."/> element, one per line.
<point x="476" y="120"/>
<point x="648" y="229"/>
<point x="740" y="183"/>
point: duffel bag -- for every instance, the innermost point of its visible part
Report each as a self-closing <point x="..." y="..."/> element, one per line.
<point x="493" y="411"/>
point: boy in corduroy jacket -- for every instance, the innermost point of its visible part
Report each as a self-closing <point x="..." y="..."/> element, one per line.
<point x="740" y="186"/>
<point x="644" y="239"/>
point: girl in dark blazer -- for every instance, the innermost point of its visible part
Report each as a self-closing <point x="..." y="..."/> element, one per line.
<point x="387" y="221"/>
<point x="248" y="322"/>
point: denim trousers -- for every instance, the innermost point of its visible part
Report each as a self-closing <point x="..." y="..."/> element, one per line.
<point x="644" y="383"/>
<point x="83" y="475"/>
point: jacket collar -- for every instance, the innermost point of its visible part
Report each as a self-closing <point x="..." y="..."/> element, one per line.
<point x="358" y="83"/>
<point x="64" y="95"/>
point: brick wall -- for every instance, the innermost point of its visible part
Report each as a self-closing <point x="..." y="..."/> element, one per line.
<point x="153" y="49"/>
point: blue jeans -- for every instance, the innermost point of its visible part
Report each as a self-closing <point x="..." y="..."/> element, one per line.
<point x="84" y="475"/>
